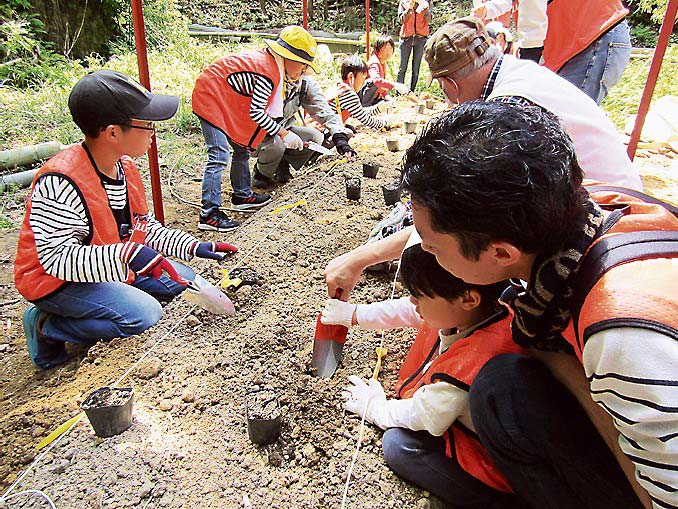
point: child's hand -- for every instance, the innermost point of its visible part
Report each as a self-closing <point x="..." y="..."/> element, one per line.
<point x="365" y="398"/>
<point x="338" y="312"/>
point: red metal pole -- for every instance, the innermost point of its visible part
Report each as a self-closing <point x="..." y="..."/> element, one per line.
<point x="142" y="59"/>
<point x="367" y="28"/>
<point x="305" y="11"/>
<point x="655" y="67"/>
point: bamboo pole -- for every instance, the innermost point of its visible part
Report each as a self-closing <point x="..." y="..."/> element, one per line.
<point x="25" y="156"/>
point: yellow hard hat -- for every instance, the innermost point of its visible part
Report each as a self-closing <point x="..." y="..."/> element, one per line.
<point x="295" y="43"/>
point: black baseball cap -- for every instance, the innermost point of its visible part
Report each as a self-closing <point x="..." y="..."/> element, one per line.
<point x="103" y="98"/>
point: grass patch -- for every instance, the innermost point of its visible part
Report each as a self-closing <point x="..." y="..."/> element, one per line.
<point x="624" y="98"/>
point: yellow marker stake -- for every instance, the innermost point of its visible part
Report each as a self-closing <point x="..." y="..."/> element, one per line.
<point x="226" y="281"/>
<point x="303" y="202"/>
<point x="381" y="352"/>
<point x="60" y="430"/>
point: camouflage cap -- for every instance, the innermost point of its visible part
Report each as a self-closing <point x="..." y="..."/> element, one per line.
<point x="455" y="45"/>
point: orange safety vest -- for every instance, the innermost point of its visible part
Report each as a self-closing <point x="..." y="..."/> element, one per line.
<point x="627" y="278"/>
<point x="459" y="365"/>
<point x="573" y="25"/>
<point x="75" y="165"/>
<point x="215" y="99"/>
<point x="416" y="24"/>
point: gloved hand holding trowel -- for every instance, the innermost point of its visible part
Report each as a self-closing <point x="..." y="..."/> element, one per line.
<point x="200" y="291"/>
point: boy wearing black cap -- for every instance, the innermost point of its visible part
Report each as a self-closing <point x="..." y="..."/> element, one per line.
<point x="89" y="254"/>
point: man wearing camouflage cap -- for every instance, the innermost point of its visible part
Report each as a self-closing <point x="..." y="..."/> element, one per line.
<point x="467" y="66"/>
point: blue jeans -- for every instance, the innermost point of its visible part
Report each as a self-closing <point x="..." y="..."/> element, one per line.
<point x="419" y="457"/>
<point x="541" y="439"/>
<point x="415" y="46"/>
<point x="600" y="66"/>
<point x="218" y="154"/>
<point x="85" y="313"/>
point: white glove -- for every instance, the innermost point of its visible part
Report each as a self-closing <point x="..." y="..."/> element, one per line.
<point x="338" y="312"/>
<point x="365" y="398"/>
<point x="423" y="5"/>
<point x="401" y="88"/>
<point x="369" y="398"/>
<point x="293" y="142"/>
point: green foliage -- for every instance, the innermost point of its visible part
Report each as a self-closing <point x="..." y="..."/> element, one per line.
<point x="27" y="61"/>
<point x="624" y="97"/>
<point x="165" y="25"/>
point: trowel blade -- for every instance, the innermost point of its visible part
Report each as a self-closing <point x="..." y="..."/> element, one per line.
<point x="317" y="147"/>
<point x="205" y="295"/>
<point x="326" y="357"/>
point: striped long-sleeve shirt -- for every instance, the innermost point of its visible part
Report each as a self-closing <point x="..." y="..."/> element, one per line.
<point x="260" y="89"/>
<point x="60" y="225"/>
<point x="350" y="102"/>
<point x="634" y="376"/>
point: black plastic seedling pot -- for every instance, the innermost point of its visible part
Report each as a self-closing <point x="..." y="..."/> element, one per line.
<point x="393" y="145"/>
<point x="353" y="188"/>
<point x="391" y="193"/>
<point x="264" y="418"/>
<point x="370" y="170"/>
<point x="109" y="410"/>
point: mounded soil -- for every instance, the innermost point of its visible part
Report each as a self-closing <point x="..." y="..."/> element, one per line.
<point x="188" y="446"/>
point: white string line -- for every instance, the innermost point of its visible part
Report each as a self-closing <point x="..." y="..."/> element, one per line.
<point x="367" y="405"/>
<point x="41" y="455"/>
<point x="333" y="165"/>
<point x="30" y="492"/>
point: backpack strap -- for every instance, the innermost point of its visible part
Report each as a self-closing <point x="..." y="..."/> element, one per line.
<point x="636" y="194"/>
<point x="613" y="251"/>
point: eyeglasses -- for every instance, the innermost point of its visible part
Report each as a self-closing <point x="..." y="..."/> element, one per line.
<point x="150" y="126"/>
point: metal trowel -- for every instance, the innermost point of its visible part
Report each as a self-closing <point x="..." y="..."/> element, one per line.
<point x="316" y="147"/>
<point x="328" y="344"/>
<point x="205" y="295"/>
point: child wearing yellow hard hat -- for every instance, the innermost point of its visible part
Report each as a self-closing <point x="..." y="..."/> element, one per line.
<point x="239" y="100"/>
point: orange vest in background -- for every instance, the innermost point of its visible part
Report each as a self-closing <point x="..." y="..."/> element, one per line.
<point x="215" y="100"/>
<point x="459" y="365"/>
<point x="639" y="291"/>
<point x="416" y="24"/>
<point x="575" y="24"/>
<point x="74" y="164"/>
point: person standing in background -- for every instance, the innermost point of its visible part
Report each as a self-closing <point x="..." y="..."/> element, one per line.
<point x="587" y="43"/>
<point x="415" y="16"/>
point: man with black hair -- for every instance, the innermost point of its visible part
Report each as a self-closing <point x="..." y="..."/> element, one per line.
<point x="497" y="193"/>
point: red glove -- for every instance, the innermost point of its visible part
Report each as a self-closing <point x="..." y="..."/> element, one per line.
<point x="144" y="261"/>
<point x="213" y="250"/>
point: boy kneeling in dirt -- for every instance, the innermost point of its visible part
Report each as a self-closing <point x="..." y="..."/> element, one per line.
<point x="89" y="252"/>
<point x="429" y="439"/>
<point x="345" y="97"/>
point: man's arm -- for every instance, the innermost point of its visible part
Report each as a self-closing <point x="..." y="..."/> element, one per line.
<point x="344" y="271"/>
<point x="568" y="370"/>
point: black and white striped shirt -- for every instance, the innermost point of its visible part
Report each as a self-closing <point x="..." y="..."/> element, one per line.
<point x="260" y="89"/>
<point x="349" y="101"/>
<point x="633" y="374"/>
<point x="60" y="225"/>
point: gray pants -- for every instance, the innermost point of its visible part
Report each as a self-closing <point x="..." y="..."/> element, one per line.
<point x="272" y="151"/>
